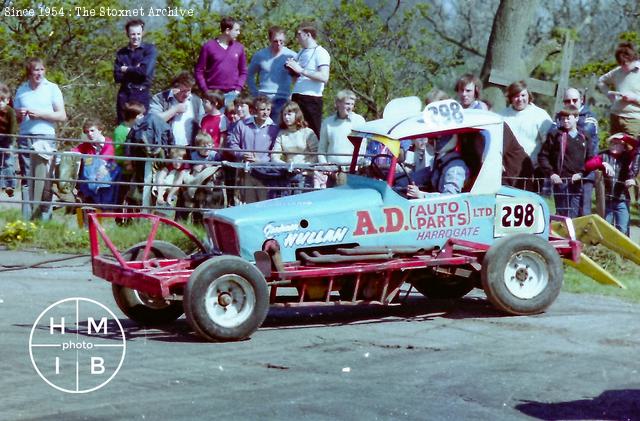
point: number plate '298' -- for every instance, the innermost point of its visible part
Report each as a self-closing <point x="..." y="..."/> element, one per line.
<point x="517" y="215"/>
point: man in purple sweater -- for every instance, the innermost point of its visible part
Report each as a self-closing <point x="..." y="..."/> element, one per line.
<point x="222" y="63"/>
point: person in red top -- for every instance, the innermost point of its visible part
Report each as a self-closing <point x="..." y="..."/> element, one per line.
<point x="99" y="171"/>
<point x="620" y="164"/>
<point x="214" y="123"/>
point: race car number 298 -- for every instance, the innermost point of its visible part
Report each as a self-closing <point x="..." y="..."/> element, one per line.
<point x="518" y="216"/>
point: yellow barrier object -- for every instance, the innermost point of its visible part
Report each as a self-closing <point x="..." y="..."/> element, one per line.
<point x="592" y="229"/>
<point x="594" y="271"/>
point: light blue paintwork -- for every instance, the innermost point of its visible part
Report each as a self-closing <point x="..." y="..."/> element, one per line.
<point x="369" y="213"/>
<point x="365" y="210"/>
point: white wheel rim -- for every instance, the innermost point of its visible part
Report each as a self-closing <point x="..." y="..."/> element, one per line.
<point x="526" y="274"/>
<point x="229" y="300"/>
<point x="135" y="297"/>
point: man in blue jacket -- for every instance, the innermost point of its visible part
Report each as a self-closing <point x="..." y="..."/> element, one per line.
<point x="134" y="67"/>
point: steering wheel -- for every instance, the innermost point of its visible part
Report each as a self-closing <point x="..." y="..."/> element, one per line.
<point x="377" y="172"/>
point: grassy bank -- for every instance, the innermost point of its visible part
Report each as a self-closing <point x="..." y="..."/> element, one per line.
<point x="64" y="236"/>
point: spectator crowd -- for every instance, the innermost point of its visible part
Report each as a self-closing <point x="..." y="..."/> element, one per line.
<point x="167" y="149"/>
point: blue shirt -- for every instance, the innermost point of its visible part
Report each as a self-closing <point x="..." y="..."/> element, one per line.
<point x="247" y="136"/>
<point x="273" y="78"/>
<point x="141" y="65"/>
<point x="41" y="99"/>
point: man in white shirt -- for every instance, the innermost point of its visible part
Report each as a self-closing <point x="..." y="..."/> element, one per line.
<point x="181" y="109"/>
<point x="311" y="72"/>
<point x="334" y="146"/>
<point x="39" y="106"/>
<point x="528" y="122"/>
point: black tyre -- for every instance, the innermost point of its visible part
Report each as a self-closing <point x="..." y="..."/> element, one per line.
<point x="522" y="274"/>
<point x="141" y="307"/>
<point x="226" y="299"/>
<point x="441" y="286"/>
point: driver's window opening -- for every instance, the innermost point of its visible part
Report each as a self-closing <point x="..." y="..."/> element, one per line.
<point x="449" y="163"/>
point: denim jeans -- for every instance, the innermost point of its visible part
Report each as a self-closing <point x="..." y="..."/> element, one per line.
<point x="587" y="193"/>
<point x="568" y="198"/>
<point x="617" y="214"/>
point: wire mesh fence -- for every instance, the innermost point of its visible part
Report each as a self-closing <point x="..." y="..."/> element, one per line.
<point x="62" y="177"/>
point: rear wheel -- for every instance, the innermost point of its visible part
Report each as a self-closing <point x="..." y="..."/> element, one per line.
<point x="226" y="299"/>
<point x="522" y="274"/>
<point x="139" y="306"/>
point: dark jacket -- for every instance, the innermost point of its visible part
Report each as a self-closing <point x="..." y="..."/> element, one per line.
<point x="141" y="65"/>
<point x="152" y="133"/>
<point x="553" y="160"/>
<point x="588" y="125"/>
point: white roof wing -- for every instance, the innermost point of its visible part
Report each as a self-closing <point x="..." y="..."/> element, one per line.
<point x="436" y="117"/>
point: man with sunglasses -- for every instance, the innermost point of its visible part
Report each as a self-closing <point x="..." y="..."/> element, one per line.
<point x="274" y="81"/>
<point x="588" y="126"/>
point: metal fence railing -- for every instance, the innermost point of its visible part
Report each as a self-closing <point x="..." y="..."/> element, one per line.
<point x="58" y="179"/>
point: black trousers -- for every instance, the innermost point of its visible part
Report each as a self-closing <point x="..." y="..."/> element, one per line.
<point x="311" y="107"/>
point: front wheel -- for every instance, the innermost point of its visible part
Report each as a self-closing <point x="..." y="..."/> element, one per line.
<point x="226" y="299"/>
<point x="139" y="306"/>
<point x="522" y="274"/>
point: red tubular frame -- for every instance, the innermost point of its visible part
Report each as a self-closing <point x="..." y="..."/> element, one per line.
<point x="153" y="276"/>
<point x="162" y="277"/>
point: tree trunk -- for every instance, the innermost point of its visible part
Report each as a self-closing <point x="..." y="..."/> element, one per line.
<point x="504" y="50"/>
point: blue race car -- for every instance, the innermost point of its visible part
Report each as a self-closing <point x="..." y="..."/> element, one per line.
<point x="362" y="241"/>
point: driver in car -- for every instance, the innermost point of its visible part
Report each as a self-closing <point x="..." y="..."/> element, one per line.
<point x="448" y="173"/>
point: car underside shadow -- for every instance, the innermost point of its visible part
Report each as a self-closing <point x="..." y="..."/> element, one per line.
<point x="609" y="405"/>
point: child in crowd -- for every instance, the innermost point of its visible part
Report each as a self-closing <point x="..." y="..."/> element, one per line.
<point x="148" y="138"/>
<point x="8" y="126"/>
<point x="620" y="165"/>
<point x="100" y="170"/>
<point x="240" y="111"/>
<point x="205" y="173"/>
<point x="243" y="106"/>
<point x="214" y="123"/>
<point x="294" y="144"/>
<point x="562" y="159"/>
<point x="170" y="178"/>
<point x="204" y="151"/>
<point x="132" y="111"/>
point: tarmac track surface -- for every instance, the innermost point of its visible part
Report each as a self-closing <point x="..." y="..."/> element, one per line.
<point x="425" y="360"/>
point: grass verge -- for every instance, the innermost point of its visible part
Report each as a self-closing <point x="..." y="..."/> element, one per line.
<point x="62" y="234"/>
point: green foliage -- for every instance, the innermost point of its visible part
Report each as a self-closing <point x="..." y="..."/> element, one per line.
<point x="574" y="281"/>
<point x="376" y="55"/>
<point x="78" y="52"/>
<point x="376" y="58"/>
<point x="18" y="232"/>
<point x="64" y="236"/>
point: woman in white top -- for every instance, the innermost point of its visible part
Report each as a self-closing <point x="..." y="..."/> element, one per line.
<point x="296" y="143"/>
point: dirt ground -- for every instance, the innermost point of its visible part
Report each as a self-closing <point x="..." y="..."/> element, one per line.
<point x="422" y="360"/>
